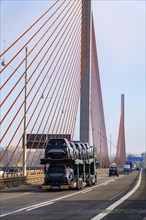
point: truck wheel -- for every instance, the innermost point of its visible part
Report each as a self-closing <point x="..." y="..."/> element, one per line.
<point x="95" y="180"/>
<point x="80" y="185"/>
<point x="90" y="182"/>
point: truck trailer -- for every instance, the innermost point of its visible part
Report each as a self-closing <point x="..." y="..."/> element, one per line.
<point x="128" y="166"/>
<point x="69" y="173"/>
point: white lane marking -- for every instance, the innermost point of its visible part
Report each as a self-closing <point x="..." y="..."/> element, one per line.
<point x="53" y="200"/>
<point x="114" y="205"/>
<point x="10" y="213"/>
<point x="38" y="206"/>
<point x="87" y="191"/>
<point x="105" y="184"/>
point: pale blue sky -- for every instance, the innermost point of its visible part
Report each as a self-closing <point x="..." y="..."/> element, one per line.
<point x="120" y="39"/>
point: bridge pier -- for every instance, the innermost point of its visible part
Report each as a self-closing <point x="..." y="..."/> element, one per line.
<point x="85" y="102"/>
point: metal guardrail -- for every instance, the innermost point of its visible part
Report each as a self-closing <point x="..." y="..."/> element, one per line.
<point x="13" y="180"/>
<point x="33" y="176"/>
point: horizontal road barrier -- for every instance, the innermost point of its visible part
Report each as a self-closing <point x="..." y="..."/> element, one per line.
<point x="33" y="176"/>
<point x="30" y="172"/>
<point x="13" y="180"/>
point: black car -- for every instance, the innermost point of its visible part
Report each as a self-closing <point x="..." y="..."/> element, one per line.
<point x="79" y="148"/>
<point x="113" y="171"/>
<point x="58" y="148"/>
<point x="59" y="174"/>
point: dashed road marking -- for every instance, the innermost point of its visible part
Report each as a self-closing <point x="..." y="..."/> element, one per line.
<point x="38" y="206"/>
<point x="121" y="200"/>
<point x="87" y="191"/>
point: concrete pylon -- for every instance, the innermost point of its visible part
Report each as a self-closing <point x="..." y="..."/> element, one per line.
<point x="85" y="102"/>
<point x="121" y="148"/>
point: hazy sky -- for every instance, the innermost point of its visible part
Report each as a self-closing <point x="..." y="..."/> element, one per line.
<point x="120" y="39"/>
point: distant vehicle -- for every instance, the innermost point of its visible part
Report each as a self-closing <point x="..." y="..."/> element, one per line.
<point x="113" y="165"/>
<point x="127" y="167"/>
<point x="137" y="168"/>
<point x="59" y="174"/>
<point x="13" y="171"/>
<point x="113" y="171"/>
<point x="130" y="163"/>
<point x="58" y="148"/>
<point x="75" y="150"/>
<point x="1" y="172"/>
<point x="134" y="166"/>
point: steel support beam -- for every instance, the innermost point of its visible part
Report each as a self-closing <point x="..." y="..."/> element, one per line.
<point x="86" y="80"/>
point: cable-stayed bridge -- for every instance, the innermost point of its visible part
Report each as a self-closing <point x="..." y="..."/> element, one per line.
<point x="50" y="85"/>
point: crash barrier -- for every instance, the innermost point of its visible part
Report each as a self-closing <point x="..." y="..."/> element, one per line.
<point x="34" y="176"/>
<point x="13" y="180"/>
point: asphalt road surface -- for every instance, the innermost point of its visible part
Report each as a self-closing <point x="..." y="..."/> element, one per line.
<point x="113" y="198"/>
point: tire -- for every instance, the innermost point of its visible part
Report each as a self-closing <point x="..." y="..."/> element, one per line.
<point x="95" y="180"/>
<point x="90" y="182"/>
<point x="80" y="185"/>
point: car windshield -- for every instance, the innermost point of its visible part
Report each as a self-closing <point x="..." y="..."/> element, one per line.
<point x="113" y="168"/>
<point x="56" y="143"/>
<point x="11" y="170"/>
<point x="56" y="169"/>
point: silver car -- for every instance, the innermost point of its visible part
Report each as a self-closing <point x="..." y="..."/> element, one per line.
<point x="75" y="150"/>
<point x="90" y="150"/>
<point x="81" y="151"/>
<point x="85" y="151"/>
<point x="13" y="171"/>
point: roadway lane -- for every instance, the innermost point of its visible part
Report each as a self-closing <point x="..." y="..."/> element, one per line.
<point x="73" y="205"/>
<point x="134" y="208"/>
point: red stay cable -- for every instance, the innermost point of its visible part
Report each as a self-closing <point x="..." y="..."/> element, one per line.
<point x="55" y="77"/>
<point x="72" y="89"/>
<point x="28" y="30"/>
<point x="68" y="10"/>
<point x="33" y="61"/>
<point x="30" y="77"/>
<point x="50" y="123"/>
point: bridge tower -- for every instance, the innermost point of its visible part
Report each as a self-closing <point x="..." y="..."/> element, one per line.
<point x="121" y="148"/>
<point x="85" y="100"/>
